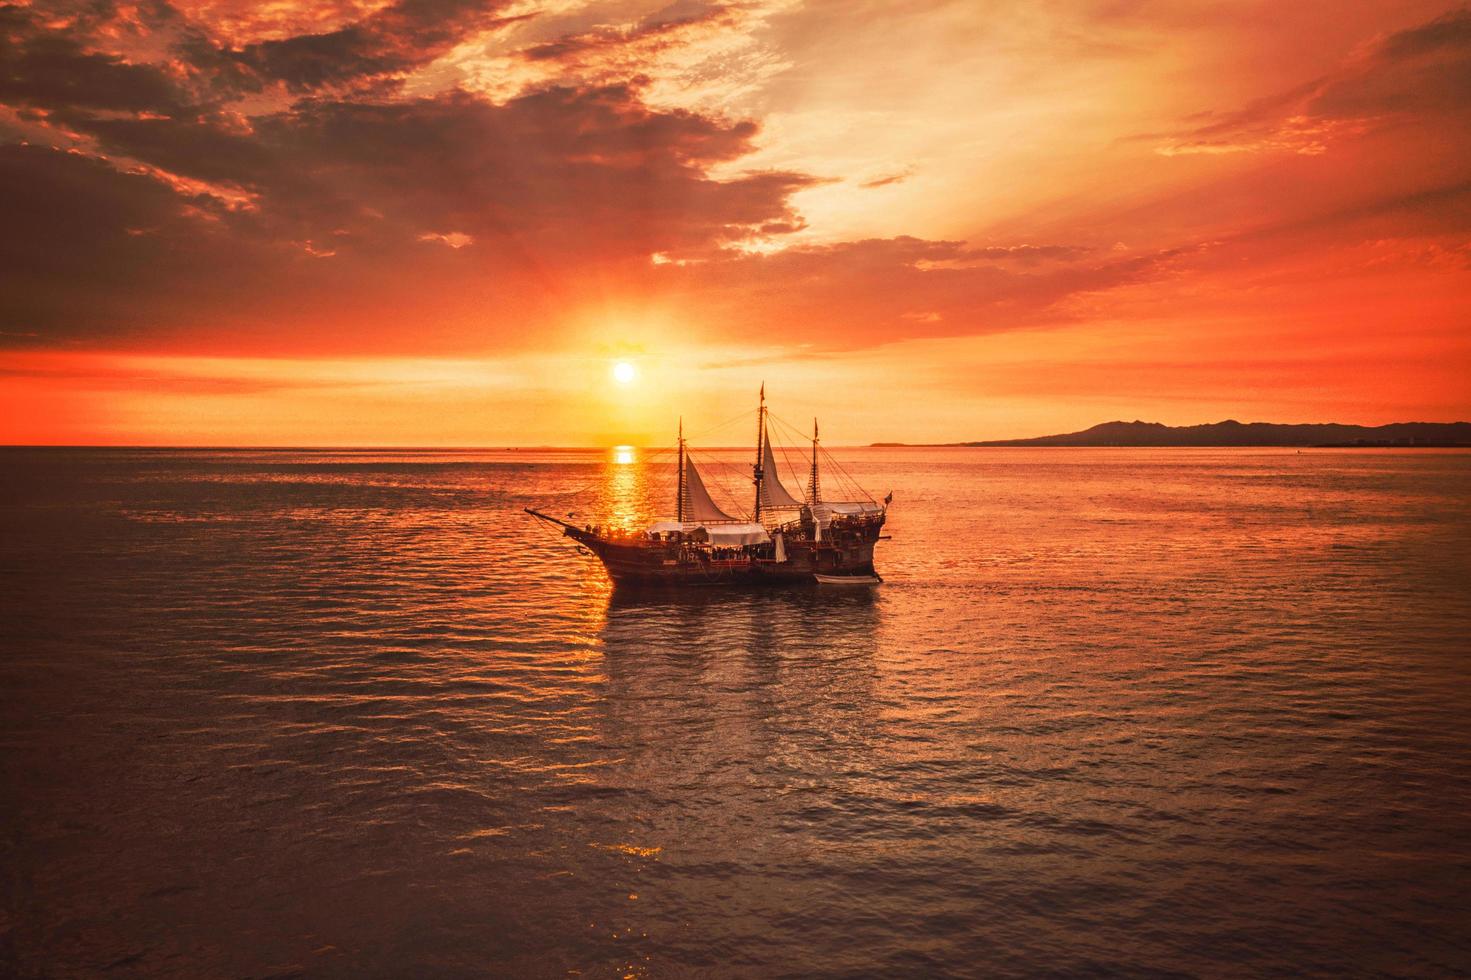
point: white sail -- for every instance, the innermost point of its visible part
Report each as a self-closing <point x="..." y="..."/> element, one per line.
<point x="773" y="494"/>
<point x="699" y="508"/>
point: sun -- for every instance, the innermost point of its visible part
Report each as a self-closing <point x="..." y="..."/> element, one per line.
<point x="624" y="373"/>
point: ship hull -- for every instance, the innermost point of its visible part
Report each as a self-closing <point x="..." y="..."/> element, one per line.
<point x="671" y="565"/>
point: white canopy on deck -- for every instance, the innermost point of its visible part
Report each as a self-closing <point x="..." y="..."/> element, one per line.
<point x="825" y="511"/>
<point x="723" y="535"/>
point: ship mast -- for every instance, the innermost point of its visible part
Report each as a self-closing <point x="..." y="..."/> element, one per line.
<point x="756" y="473"/>
<point x="814" y="489"/>
<point x="679" y="503"/>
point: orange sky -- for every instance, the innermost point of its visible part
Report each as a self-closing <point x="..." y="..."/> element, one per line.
<point x="441" y="222"/>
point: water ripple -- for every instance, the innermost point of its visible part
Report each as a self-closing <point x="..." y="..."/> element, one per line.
<point x="351" y="714"/>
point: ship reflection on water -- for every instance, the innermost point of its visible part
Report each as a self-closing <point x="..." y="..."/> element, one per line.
<point x="724" y="673"/>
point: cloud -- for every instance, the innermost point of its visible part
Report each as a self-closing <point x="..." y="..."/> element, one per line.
<point x="55" y="70"/>
<point x="689" y="54"/>
<point x="237" y="23"/>
<point x="856" y="294"/>
<point x="1028" y="254"/>
<point x="562" y="171"/>
<point x="390" y="41"/>
<point x="544" y="185"/>
<point x="661" y="29"/>
<point x="86" y="247"/>
<point x="1418" y="75"/>
<point x="885" y="180"/>
<point x="452" y="239"/>
<point x="1414" y="216"/>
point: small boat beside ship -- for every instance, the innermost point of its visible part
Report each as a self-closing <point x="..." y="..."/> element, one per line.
<point x="786" y="541"/>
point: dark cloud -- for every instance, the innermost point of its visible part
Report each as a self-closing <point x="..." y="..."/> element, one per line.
<point x="1426" y="69"/>
<point x="85" y="246"/>
<point x="1435" y="211"/>
<point x="53" y="69"/>
<point x="589" y="170"/>
<point x="657" y="29"/>
<point x="566" y="171"/>
<point x="1029" y="254"/>
<point x="66" y="59"/>
<point x="887" y="179"/>
<point x="1417" y="76"/>
<point x="106" y="204"/>
<point x="206" y="147"/>
<point x="855" y="294"/>
<point x="328" y="202"/>
<point x="394" y="40"/>
<point x="1449" y="32"/>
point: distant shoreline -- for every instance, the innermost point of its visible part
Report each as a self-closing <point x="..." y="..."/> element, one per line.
<point x="1213" y="445"/>
<point x="1238" y="435"/>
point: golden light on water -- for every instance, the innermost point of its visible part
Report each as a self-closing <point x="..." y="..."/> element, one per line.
<point x="623" y="489"/>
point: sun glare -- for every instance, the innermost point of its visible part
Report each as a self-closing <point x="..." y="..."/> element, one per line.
<point x="624" y="373"/>
<point x="622" y="455"/>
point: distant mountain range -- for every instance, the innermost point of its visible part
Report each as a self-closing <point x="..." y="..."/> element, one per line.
<point x="1234" y="433"/>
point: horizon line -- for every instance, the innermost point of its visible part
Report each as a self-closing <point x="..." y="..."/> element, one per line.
<point x="883" y="444"/>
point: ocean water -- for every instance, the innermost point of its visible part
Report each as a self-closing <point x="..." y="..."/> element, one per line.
<point x="1153" y="712"/>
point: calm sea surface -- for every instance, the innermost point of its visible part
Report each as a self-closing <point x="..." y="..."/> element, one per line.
<point x="1113" y="712"/>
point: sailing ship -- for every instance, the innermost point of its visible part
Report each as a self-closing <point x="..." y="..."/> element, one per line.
<point x="788" y="540"/>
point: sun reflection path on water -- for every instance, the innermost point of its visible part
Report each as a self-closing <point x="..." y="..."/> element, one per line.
<point x="624" y="488"/>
